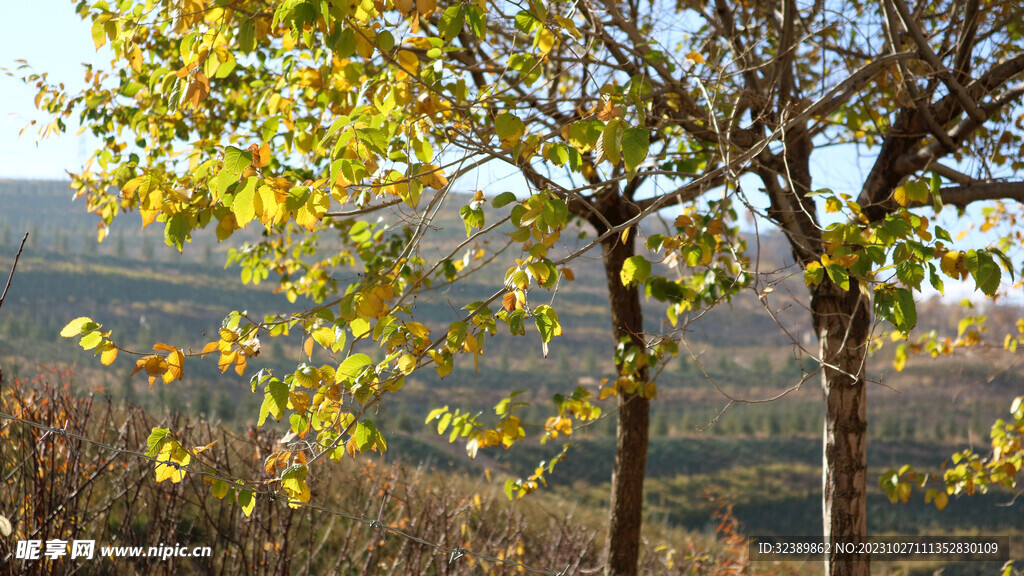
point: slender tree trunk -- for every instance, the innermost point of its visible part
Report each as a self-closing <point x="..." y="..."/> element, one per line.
<point x="842" y="320"/>
<point x="626" y="508"/>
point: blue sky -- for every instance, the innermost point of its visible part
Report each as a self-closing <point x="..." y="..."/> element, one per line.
<point x="50" y="35"/>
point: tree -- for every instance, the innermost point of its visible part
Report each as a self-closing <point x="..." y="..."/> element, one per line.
<point x="310" y="118"/>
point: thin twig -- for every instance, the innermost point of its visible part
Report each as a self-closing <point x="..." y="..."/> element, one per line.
<point x="11" y="276"/>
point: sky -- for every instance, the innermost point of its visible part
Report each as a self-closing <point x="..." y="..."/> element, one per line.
<point x="59" y="47"/>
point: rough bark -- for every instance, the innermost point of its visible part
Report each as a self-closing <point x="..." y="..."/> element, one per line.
<point x="842" y="320"/>
<point x="626" y="507"/>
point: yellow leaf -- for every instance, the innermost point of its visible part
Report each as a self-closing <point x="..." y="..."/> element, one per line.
<point x="175" y="366"/>
<point x="426" y="7"/>
<point x="247" y="500"/>
<point x="108" y="356"/>
<point x="408" y="59"/>
<point x="226" y="360"/>
<point x="171" y="464"/>
<point x="307" y="347"/>
<point x="201" y="449"/>
<point x="545" y="40"/>
<point x="298" y="401"/>
<point x="74" y="328"/>
<point x="198" y="89"/>
<point x="848" y="260"/>
<point x="360" y="327"/>
<point x="135" y="58"/>
<point x="209" y="348"/>
<point x="261" y="155"/>
<point x="696" y="57"/>
<point x="901" y="197"/>
<point x="148" y="217"/>
<point x="508" y="301"/>
<point x="941" y="500"/>
<point x="418" y="330"/>
<point x="407" y="363"/>
<point x="950" y="263"/>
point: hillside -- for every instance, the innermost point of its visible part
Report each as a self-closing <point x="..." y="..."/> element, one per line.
<point x="766" y="456"/>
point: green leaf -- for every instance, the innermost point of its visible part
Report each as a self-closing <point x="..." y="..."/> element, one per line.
<point x="611" y="140"/>
<point x="839" y="276"/>
<point x="910" y="273"/>
<point x="247" y="500"/>
<point x="558" y="154"/>
<point x="451" y="22"/>
<point x="456" y="335"/>
<point x="935" y="280"/>
<point x="985" y="271"/>
<point x="917" y="190"/>
<point x="220" y="489"/>
<point x="235" y="161"/>
<point x="376" y="139"/>
<point x="269" y="128"/>
<point x="177" y="232"/>
<point x="503" y="199"/>
<point x="353" y="365"/>
<point x="275" y="400"/>
<point x="477" y="20"/>
<point x="298" y="424"/>
<point x="471" y="218"/>
<point x="244" y="203"/>
<point x="156" y="440"/>
<point x="547" y="322"/>
<point x="385" y="41"/>
<point x="526" y="22"/>
<point x="294" y="478"/>
<point x="247" y="35"/>
<point x="904" y="310"/>
<point x="365" y="435"/>
<point x="90" y="340"/>
<point x="508" y="126"/>
<point x="635" y="143"/>
<point x="635" y="269"/>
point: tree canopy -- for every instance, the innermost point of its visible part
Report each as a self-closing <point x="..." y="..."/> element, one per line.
<point x="340" y="129"/>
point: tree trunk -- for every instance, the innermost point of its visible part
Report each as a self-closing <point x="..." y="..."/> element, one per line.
<point x="842" y="320"/>
<point x="626" y="507"/>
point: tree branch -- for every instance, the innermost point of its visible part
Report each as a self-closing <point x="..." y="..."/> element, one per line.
<point x="13" y="267"/>
<point x="968" y="35"/>
<point x="900" y="155"/>
<point x="961" y="196"/>
<point x="951" y="174"/>
<point x="929" y="56"/>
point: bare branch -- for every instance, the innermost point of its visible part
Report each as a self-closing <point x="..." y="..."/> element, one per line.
<point x="961" y="196"/>
<point x="13" y="267"/>
<point x="951" y="174"/>
<point x="929" y="56"/>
